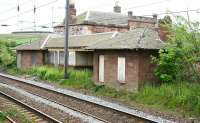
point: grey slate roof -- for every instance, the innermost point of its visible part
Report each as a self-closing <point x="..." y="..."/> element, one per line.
<point x="105" y="18"/>
<point x="140" y="38"/>
<point x="57" y="41"/>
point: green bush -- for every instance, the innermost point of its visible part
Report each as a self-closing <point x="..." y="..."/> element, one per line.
<point x="178" y="59"/>
<point x="7" y="57"/>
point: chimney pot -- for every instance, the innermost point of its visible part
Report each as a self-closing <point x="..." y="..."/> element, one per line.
<point x="155" y="16"/>
<point x="117" y="8"/>
<point x="130" y="13"/>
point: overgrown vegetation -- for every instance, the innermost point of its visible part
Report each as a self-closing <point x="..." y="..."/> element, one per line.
<point x="8" y="43"/>
<point x="2" y="117"/>
<point x="7" y="56"/>
<point x="14" y="113"/>
<point x="183" y="98"/>
<point x="77" y="78"/>
<point x="179" y="60"/>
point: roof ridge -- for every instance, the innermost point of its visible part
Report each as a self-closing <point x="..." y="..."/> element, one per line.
<point x="44" y="42"/>
<point x="106" y="12"/>
<point x="87" y="15"/>
<point x="92" y="34"/>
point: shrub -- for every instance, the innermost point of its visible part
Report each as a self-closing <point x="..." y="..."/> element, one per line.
<point x="178" y="59"/>
<point x="7" y="57"/>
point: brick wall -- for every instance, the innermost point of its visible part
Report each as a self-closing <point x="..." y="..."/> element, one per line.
<point x="26" y="58"/>
<point x="138" y="68"/>
<point x="146" y="67"/>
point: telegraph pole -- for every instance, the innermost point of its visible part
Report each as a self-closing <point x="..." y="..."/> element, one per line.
<point x="66" y="39"/>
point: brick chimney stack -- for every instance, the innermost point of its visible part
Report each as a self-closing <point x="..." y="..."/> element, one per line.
<point x="155" y="17"/>
<point x="72" y="12"/>
<point x="117" y="8"/>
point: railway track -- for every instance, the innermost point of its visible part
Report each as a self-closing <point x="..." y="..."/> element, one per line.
<point x="33" y="113"/>
<point x="23" y="105"/>
<point x="10" y="119"/>
<point x="101" y="112"/>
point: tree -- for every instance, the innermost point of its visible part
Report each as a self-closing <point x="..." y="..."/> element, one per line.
<point x="179" y="59"/>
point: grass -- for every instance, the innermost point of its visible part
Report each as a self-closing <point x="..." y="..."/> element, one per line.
<point x="180" y="98"/>
<point x="2" y="117"/>
<point x="14" y="113"/>
<point x="177" y="97"/>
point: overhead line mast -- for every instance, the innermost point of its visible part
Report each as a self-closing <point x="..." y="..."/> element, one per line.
<point x="34" y="12"/>
<point x="66" y="39"/>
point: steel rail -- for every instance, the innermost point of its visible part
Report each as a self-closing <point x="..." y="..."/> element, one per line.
<point x="29" y="108"/>
<point x="87" y="114"/>
<point x="10" y="119"/>
<point x="56" y="92"/>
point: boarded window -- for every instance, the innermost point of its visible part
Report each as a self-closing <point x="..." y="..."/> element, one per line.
<point x="72" y="58"/>
<point x="121" y="69"/>
<point x="101" y="68"/>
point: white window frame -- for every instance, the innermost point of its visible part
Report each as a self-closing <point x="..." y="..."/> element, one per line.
<point x="101" y="68"/>
<point x="121" y="71"/>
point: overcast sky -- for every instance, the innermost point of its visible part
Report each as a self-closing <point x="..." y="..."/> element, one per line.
<point x="55" y="11"/>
